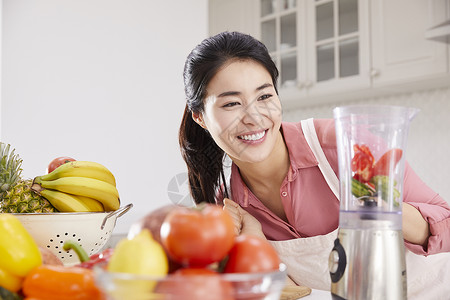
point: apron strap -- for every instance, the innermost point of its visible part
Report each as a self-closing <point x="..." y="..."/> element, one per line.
<point x="313" y="141"/>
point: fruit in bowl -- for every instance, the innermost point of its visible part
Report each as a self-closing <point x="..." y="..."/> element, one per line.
<point x="229" y="267"/>
<point x="75" y="192"/>
<point x="193" y="284"/>
<point x="73" y="186"/>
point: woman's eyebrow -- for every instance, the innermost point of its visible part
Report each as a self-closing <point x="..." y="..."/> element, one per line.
<point x="235" y="93"/>
<point x="265" y="85"/>
<point x="228" y="93"/>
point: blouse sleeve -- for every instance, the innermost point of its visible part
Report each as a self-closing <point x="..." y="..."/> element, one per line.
<point x="434" y="209"/>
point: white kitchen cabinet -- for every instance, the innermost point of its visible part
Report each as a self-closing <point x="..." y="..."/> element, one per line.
<point x="440" y="29"/>
<point x="336" y="47"/>
<point x="400" y="53"/>
<point x="282" y="33"/>
<point x="330" y="50"/>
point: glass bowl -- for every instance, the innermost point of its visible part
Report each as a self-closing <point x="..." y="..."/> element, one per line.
<point x="236" y="286"/>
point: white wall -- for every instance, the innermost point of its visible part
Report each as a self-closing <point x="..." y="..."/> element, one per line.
<point x="100" y="80"/>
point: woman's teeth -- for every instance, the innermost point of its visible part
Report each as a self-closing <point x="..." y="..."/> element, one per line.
<point x="253" y="137"/>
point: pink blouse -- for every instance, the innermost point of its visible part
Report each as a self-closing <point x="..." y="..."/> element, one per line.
<point x="311" y="207"/>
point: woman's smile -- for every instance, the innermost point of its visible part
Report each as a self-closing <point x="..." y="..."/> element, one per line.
<point x="255" y="137"/>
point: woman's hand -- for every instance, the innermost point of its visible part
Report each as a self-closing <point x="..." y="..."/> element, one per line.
<point x="244" y="223"/>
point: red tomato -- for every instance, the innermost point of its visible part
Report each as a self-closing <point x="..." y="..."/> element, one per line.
<point x="57" y="162"/>
<point x="251" y="254"/>
<point x="194" y="284"/>
<point x="362" y="163"/>
<point x="97" y="259"/>
<point x="197" y="237"/>
<point x="387" y="162"/>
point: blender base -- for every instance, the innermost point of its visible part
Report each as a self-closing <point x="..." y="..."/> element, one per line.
<point x="336" y="297"/>
<point x="368" y="264"/>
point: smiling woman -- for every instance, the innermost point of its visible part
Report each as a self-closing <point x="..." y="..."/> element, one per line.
<point x="240" y="102"/>
<point x="277" y="189"/>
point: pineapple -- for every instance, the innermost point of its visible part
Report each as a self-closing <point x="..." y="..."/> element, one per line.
<point x="16" y="195"/>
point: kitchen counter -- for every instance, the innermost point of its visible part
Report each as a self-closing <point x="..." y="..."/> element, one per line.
<point x="291" y="292"/>
<point x="318" y="295"/>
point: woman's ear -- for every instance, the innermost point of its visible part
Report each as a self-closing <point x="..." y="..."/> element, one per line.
<point x="198" y="118"/>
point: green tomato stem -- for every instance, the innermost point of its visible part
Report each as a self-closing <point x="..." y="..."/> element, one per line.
<point x="82" y="255"/>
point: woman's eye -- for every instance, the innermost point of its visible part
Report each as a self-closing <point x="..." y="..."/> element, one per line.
<point x="265" y="96"/>
<point x="231" y="104"/>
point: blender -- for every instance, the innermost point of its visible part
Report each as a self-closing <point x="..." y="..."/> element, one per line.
<point x="368" y="257"/>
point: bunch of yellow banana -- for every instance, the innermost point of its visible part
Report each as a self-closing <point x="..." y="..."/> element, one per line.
<point x="79" y="186"/>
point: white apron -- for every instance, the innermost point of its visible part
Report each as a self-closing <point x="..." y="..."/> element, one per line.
<point x="428" y="277"/>
<point x="307" y="258"/>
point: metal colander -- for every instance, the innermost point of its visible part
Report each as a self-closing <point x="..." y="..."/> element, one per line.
<point x="90" y="229"/>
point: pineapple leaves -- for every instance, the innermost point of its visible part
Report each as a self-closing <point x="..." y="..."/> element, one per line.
<point x="10" y="167"/>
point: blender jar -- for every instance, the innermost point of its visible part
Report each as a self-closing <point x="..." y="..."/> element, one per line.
<point x="371" y="144"/>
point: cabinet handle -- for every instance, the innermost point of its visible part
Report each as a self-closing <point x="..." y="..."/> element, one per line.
<point x="374" y="73"/>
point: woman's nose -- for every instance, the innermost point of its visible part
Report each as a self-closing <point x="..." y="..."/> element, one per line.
<point x="252" y="113"/>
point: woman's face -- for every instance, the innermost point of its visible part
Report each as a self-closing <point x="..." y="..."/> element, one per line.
<point x="242" y="111"/>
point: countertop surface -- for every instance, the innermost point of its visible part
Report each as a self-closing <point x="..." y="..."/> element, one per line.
<point x="318" y="295"/>
<point x="293" y="292"/>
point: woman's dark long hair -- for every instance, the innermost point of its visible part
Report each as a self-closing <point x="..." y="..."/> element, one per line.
<point x="203" y="157"/>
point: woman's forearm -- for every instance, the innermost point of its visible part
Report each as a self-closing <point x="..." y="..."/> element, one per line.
<point x="416" y="229"/>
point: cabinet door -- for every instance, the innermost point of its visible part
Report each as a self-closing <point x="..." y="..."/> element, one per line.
<point x="400" y="51"/>
<point x="338" y="53"/>
<point x="279" y="32"/>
